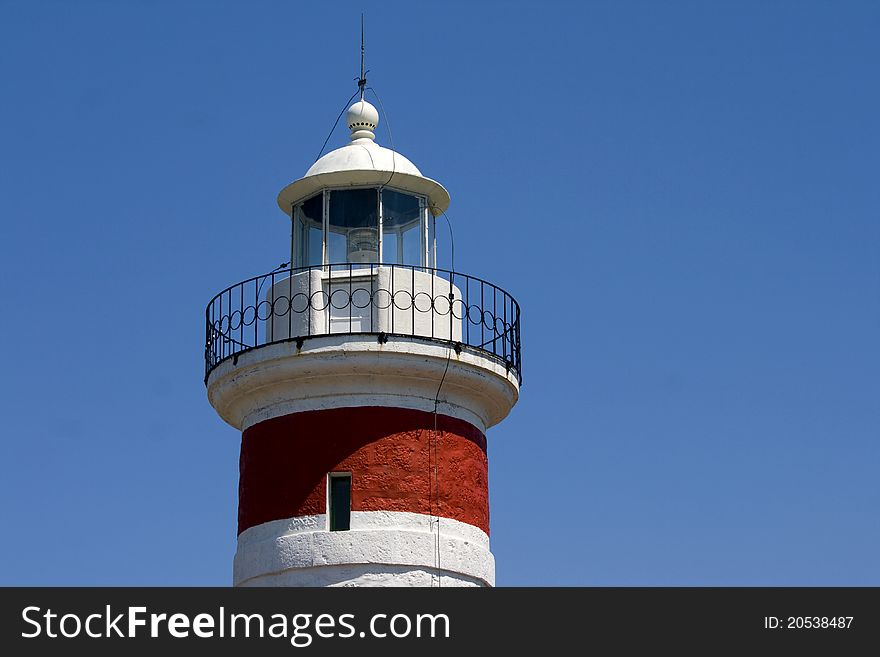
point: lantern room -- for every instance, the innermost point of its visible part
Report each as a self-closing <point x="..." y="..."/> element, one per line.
<point x="365" y="225"/>
<point x="363" y="204"/>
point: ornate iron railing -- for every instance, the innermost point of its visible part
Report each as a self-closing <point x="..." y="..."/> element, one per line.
<point x="293" y="305"/>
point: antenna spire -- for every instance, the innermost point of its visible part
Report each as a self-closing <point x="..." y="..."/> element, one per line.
<point x="362" y="81"/>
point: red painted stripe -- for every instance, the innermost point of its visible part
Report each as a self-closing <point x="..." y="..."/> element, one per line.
<point x="284" y="464"/>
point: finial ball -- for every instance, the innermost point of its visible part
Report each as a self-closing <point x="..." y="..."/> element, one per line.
<point x="362" y="119"/>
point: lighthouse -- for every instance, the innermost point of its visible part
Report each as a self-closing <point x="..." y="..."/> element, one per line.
<point x="363" y="380"/>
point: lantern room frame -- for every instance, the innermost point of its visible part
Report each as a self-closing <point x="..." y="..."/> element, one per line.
<point x="302" y="243"/>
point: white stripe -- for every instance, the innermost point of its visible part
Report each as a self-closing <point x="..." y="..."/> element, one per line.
<point x="342" y="371"/>
<point x="382" y="548"/>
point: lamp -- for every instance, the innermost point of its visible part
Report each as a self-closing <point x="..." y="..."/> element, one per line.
<point x="363" y="245"/>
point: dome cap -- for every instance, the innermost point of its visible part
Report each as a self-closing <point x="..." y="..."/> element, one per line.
<point x="362" y="119"/>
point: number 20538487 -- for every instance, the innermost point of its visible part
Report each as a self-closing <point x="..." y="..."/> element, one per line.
<point x="808" y="622"/>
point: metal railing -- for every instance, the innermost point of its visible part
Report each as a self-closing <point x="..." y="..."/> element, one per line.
<point x="293" y="305"/>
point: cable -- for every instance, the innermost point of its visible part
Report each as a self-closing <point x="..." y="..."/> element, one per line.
<point x="433" y="450"/>
<point x="361" y="81"/>
<point x="451" y="240"/>
<point x="394" y="170"/>
<point x="265" y="276"/>
<point x="436" y="473"/>
<point x="335" y="123"/>
<point x="390" y="137"/>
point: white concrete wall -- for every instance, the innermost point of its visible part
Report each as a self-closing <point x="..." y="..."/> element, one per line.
<point x="390" y="311"/>
<point x="301" y="318"/>
<point x="382" y="548"/>
<point x="423" y="320"/>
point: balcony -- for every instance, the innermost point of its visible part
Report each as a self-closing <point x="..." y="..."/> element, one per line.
<point x="385" y="301"/>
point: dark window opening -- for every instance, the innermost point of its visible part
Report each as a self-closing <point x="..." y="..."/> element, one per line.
<point x="340" y="502"/>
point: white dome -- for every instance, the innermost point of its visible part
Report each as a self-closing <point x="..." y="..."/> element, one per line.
<point x="363" y="162"/>
<point x="363" y="155"/>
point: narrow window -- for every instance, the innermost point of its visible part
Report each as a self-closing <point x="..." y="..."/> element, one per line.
<point x="340" y="501"/>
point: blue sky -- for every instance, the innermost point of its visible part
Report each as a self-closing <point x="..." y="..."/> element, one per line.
<point x="682" y="196"/>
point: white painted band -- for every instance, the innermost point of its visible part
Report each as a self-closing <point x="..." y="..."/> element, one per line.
<point x="339" y="371"/>
<point x="382" y="548"/>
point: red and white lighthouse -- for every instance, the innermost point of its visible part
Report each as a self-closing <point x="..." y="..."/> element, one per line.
<point x="363" y="379"/>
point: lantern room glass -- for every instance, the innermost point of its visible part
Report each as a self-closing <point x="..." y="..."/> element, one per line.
<point x="307" y="248"/>
<point x="402" y="229"/>
<point x="362" y="226"/>
<point x="353" y="226"/>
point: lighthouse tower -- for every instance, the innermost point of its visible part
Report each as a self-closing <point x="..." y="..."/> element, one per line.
<point x="363" y="380"/>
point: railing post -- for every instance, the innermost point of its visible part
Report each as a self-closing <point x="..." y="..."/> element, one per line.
<point x="494" y="320"/>
<point x="482" y="320"/>
<point x="451" y="301"/>
<point x="412" y="298"/>
<point x="466" y="305"/>
<point x="506" y="330"/>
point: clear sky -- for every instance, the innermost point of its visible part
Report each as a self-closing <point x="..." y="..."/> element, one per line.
<point x="683" y="197"/>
